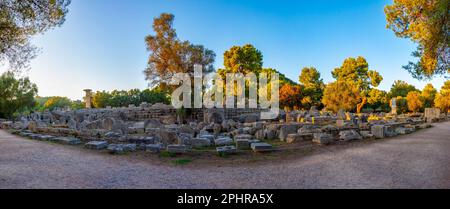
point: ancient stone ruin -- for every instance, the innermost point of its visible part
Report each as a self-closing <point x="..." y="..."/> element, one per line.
<point x="158" y="127"/>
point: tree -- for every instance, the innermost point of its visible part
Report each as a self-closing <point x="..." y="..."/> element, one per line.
<point x="155" y="95"/>
<point x="290" y="96"/>
<point x="357" y="73"/>
<point x="341" y="95"/>
<point x="401" y="88"/>
<point x="101" y="99"/>
<point x="378" y="100"/>
<point x="20" y="20"/>
<point x="415" y="101"/>
<point x="16" y="95"/>
<point x="402" y="105"/>
<point x="243" y="59"/>
<point x="57" y="102"/>
<point x="428" y="95"/>
<point x="169" y="55"/>
<point x="310" y="79"/>
<point x="442" y="100"/>
<point x="426" y="23"/>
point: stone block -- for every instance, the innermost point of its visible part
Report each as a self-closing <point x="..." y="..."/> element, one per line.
<point x="223" y="141"/>
<point x="226" y="150"/>
<point x="178" y="149"/>
<point x="349" y="135"/>
<point x="378" y="131"/>
<point x="295" y="138"/>
<point x="242" y="144"/>
<point x="261" y="147"/>
<point x="154" y="148"/>
<point x="121" y="148"/>
<point x="67" y="140"/>
<point x="323" y="138"/>
<point x="97" y="145"/>
<point x="287" y="129"/>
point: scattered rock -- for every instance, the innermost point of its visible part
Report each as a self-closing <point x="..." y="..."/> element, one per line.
<point x="97" y="145"/>
<point x="178" y="149"/>
<point x="261" y="147"/>
<point x="242" y="144"/>
<point x="323" y="138"/>
<point x="349" y="135"/>
<point x="226" y="150"/>
<point x="223" y="141"/>
<point x="378" y="131"/>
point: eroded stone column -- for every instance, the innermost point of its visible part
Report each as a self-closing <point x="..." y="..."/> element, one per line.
<point x="88" y="98"/>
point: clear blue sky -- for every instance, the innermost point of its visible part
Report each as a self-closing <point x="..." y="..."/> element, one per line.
<point x="101" y="45"/>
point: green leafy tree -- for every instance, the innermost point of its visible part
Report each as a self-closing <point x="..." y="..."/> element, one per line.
<point x="169" y="55"/>
<point x="427" y="23"/>
<point x="401" y="88"/>
<point x="313" y="87"/>
<point x="20" y="20"/>
<point x="16" y="95"/>
<point x="429" y="95"/>
<point x="243" y="59"/>
<point x="57" y="102"/>
<point x="402" y="105"/>
<point x="378" y="100"/>
<point x="356" y="72"/>
<point x="101" y="99"/>
<point x="415" y="101"/>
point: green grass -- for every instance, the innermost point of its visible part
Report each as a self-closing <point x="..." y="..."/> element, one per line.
<point x="182" y="161"/>
<point x="167" y="154"/>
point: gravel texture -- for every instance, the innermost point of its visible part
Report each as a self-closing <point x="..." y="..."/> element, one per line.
<point x="420" y="160"/>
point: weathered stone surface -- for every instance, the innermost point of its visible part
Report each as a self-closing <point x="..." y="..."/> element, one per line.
<point x="168" y="137"/>
<point x="366" y="134"/>
<point x="214" y="117"/>
<point x="223" y="141"/>
<point x="251" y="118"/>
<point x="97" y="145"/>
<point x="243" y="136"/>
<point x="287" y="129"/>
<point x="154" y="148"/>
<point x="242" y="144"/>
<point x="425" y="125"/>
<point x="349" y="135"/>
<point x="378" y="131"/>
<point x="178" y="149"/>
<point x="217" y="128"/>
<point x="200" y="142"/>
<point x="295" y="138"/>
<point x="432" y="114"/>
<point x="226" y="150"/>
<point x="261" y="147"/>
<point x="121" y="148"/>
<point x="168" y="119"/>
<point x="67" y="140"/>
<point x="403" y="131"/>
<point x="323" y="138"/>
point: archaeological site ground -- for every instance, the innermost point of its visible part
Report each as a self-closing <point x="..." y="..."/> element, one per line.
<point x="224" y="95"/>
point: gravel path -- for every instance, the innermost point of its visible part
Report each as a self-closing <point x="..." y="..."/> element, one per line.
<point x="421" y="160"/>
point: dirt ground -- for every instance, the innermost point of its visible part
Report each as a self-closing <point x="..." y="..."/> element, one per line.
<point x="419" y="160"/>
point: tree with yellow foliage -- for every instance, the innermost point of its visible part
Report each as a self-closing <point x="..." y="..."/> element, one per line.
<point x="415" y="101"/>
<point x="355" y="72"/>
<point x="429" y="94"/>
<point x="442" y="100"/>
<point x="341" y="95"/>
